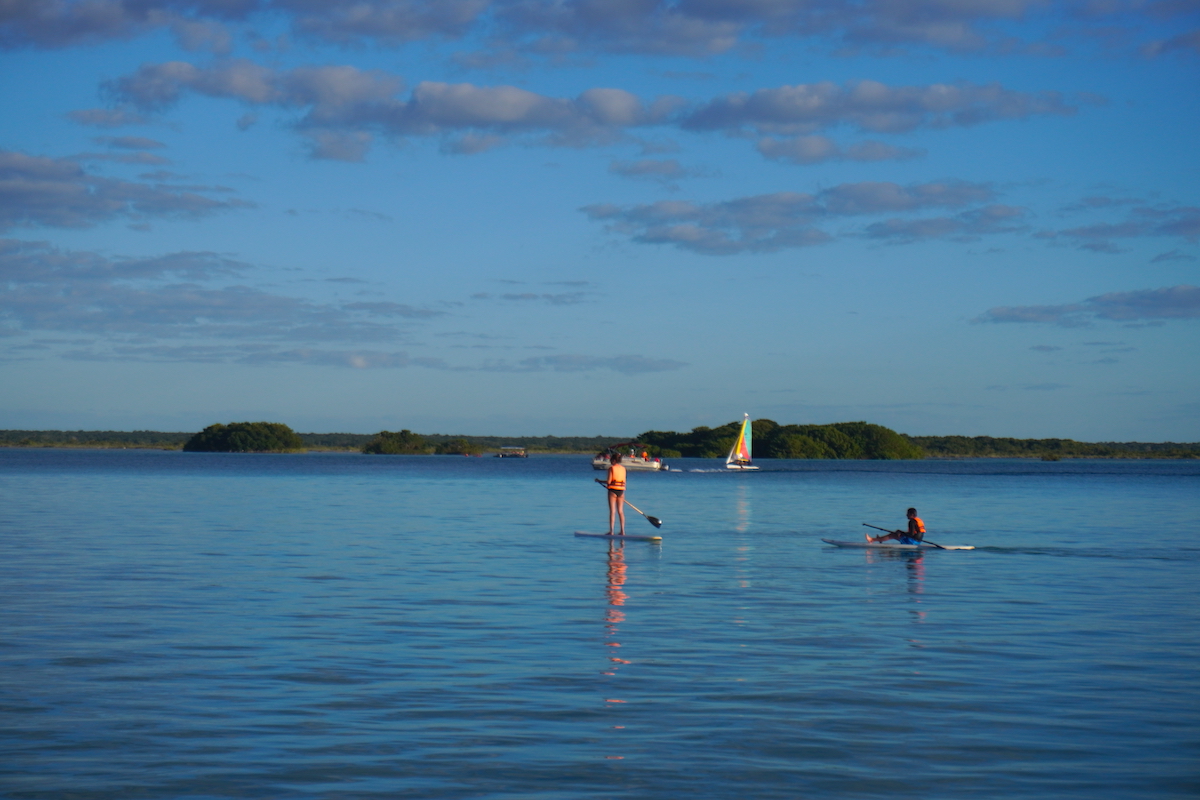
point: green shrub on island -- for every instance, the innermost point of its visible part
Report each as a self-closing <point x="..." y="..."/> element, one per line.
<point x="246" y="437"/>
<point x="458" y="447"/>
<point x="843" y="440"/>
<point x="405" y="442"/>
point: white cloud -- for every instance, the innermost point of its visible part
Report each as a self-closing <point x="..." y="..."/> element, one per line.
<point x="555" y="29"/>
<point x="342" y="106"/>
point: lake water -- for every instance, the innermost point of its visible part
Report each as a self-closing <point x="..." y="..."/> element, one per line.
<point x="178" y="625"/>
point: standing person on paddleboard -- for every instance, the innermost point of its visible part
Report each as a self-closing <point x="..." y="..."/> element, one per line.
<point x="616" y="493"/>
<point x="914" y="535"/>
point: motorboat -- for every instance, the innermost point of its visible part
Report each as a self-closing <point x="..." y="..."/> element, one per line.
<point x="633" y="457"/>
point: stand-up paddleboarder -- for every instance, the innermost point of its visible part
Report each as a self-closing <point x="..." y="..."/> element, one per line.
<point x="615" y="482"/>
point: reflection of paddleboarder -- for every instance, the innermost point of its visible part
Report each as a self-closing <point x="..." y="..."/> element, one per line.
<point x="616" y="579"/>
<point x="615" y="482"/>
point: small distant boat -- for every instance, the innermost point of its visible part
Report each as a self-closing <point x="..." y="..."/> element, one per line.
<point x="512" y="452"/>
<point x="633" y="456"/>
<point x="739" y="454"/>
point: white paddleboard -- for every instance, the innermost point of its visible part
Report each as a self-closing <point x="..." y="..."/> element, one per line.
<point x="627" y="536"/>
<point x="892" y="544"/>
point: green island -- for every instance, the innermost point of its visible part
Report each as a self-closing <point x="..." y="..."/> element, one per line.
<point x="841" y="440"/>
<point x="405" y="442"/>
<point x="246" y="437"/>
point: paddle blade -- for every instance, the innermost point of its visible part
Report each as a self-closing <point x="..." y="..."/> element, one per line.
<point x="655" y="521"/>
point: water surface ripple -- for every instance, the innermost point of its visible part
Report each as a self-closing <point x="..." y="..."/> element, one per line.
<point x="214" y="626"/>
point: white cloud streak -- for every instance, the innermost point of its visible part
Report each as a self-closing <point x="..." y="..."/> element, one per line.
<point x="58" y="192"/>
<point x="870" y="106"/>
<point x="181" y="307"/>
<point x="173" y="297"/>
<point x="1171" y="302"/>
<point x="1142" y="221"/>
<point x="784" y="220"/>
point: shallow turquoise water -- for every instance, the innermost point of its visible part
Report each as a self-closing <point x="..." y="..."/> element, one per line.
<point x="343" y="626"/>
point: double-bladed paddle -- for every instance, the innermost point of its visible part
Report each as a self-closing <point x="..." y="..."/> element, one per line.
<point x="655" y="521"/>
<point x="923" y="541"/>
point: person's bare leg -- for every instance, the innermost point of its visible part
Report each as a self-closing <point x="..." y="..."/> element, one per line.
<point x="621" y="511"/>
<point x="612" y="511"/>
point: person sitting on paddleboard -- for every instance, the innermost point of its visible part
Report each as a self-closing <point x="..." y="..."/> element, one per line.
<point x="914" y="535"/>
<point x="616" y="493"/>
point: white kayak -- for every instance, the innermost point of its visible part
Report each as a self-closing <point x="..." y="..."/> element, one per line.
<point x="628" y="536"/>
<point x="892" y="544"/>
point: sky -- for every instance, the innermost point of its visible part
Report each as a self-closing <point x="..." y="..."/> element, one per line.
<point x="601" y="217"/>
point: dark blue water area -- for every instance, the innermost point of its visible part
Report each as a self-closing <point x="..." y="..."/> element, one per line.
<point x="177" y="625"/>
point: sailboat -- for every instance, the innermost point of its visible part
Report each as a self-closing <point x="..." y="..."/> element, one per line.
<point x="739" y="454"/>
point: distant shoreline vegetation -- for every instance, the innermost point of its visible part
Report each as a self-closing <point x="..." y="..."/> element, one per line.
<point x="1048" y="449"/>
<point x="771" y="440"/>
<point x="840" y="440"/>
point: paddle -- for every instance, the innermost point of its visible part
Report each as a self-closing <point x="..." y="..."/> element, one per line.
<point x="923" y="541"/>
<point x="655" y="521"/>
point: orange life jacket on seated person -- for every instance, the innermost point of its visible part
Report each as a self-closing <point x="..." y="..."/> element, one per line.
<point x="616" y="477"/>
<point x="920" y="525"/>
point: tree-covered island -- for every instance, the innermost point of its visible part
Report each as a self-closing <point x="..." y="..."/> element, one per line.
<point x="851" y="440"/>
<point x="246" y="437"/>
<point x="406" y="442"/>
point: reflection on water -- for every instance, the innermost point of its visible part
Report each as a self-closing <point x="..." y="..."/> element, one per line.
<point x="742" y="507"/>
<point x="613" y="617"/>
<point x="916" y="581"/>
<point x="742" y="510"/>
<point x="914" y="567"/>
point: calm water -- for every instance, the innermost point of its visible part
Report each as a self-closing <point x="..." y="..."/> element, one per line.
<point x="341" y="626"/>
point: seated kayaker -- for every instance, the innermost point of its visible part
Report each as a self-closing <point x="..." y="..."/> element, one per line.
<point x="914" y="534"/>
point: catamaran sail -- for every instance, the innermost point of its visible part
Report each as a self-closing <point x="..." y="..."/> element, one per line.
<point x="739" y="454"/>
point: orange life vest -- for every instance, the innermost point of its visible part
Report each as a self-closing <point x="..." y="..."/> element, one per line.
<point x="616" y="477"/>
<point x="920" y="524"/>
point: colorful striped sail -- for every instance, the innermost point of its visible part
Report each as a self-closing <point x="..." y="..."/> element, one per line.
<point x="740" y="452"/>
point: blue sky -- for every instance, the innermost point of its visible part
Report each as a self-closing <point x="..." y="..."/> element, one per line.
<point x="526" y="217"/>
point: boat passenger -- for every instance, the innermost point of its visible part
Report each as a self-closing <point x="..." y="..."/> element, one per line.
<point x="616" y="493"/>
<point x="914" y="535"/>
